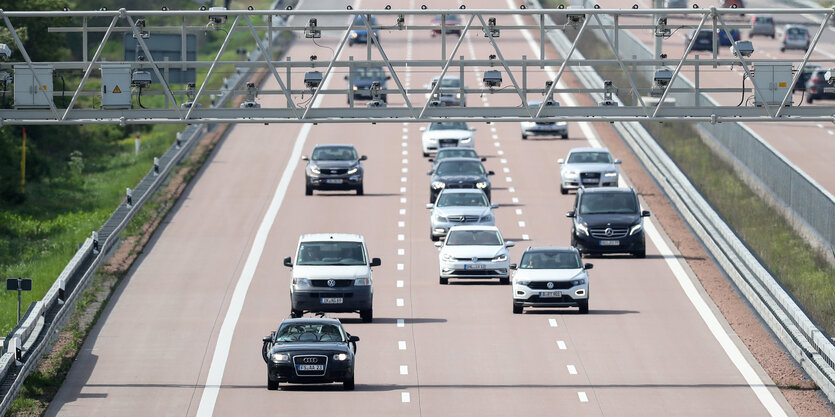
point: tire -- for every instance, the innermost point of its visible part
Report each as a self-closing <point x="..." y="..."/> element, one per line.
<point x="443" y="281"/>
<point x="524" y="137"/>
<point x="367" y="316"/>
<point x="782" y="49"/>
<point x="584" y="307"/>
<point x="517" y="308"/>
<point x="809" y="99"/>
<point x="360" y="190"/>
<point x="295" y="313"/>
<point x="563" y="191"/>
<point x="504" y="281"/>
<point x="308" y="190"/>
<point x="640" y="254"/>
<point x="433" y="237"/>
<point x="384" y="97"/>
<point x="565" y="136"/>
<point x="426" y="154"/>
<point x="272" y="385"/>
<point x="348" y="384"/>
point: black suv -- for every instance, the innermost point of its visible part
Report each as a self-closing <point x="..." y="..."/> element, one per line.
<point x="363" y="77"/>
<point x="458" y="173"/>
<point x="333" y="167"/>
<point x="608" y="220"/>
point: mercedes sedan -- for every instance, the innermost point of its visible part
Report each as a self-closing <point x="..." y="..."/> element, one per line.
<point x="551" y="277"/>
<point x="474" y="252"/>
<point x="456" y="207"/>
<point x="310" y="351"/>
<point x="588" y="167"/>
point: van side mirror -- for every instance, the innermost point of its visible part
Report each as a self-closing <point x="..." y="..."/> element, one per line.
<point x="617" y="161"/>
<point x="353" y="339"/>
<point x="376" y="262"/>
<point x="305" y="158"/>
<point x="645" y="213"/>
<point x="439" y="244"/>
<point x="588" y="266"/>
<point x="363" y="158"/>
<point x="288" y="262"/>
<point x="509" y="244"/>
<point x="430" y="206"/>
<point x="571" y="213"/>
<point x="429" y="172"/>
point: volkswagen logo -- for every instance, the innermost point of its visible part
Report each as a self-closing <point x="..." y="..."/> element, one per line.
<point x="310" y="360"/>
<point x="331" y="283"/>
<point x="609" y="231"/>
<point x="475" y="259"/>
<point x="550" y="285"/>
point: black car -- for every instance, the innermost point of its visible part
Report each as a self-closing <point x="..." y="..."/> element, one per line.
<point x="704" y="40"/>
<point x="817" y="88"/>
<point x="459" y="173"/>
<point x="363" y="77"/>
<point x="608" y="220"/>
<point x="808" y="70"/>
<point x="309" y="351"/>
<point x="455" y="152"/>
<point x="333" y="167"/>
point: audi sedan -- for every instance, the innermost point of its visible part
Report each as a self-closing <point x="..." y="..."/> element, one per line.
<point x="474" y="252"/>
<point x="459" y="207"/>
<point x="310" y="351"/>
<point x="439" y="135"/>
<point x="553" y="129"/>
<point x="551" y="277"/>
<point x="588" y="167"/>
<point x="459" y="173"/>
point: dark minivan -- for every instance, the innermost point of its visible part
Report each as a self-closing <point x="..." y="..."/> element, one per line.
<point x="608" y="220"/>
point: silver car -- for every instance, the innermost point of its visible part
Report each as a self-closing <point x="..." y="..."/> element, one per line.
<point x="455" y="207"/>
<point x="450" y="93"/>
<point x="474" y="252"/>
<point x="588" y="167"/>
<point x="763" y="25"/>
<point x="795" y="37"/>
<point x="551" y="277"/>
<point x="553" y="129"/>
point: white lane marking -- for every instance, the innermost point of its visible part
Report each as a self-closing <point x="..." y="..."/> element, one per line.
<point x="224" y="338"/>
<point x="405" y="130"/>
<point x="504" y="161"/>
<point x="500" y="152"/>
<point x="404" y="144"/>
<point x="506" y="170"/>
<point x="401" y="251"/>
<point x="399" y="302"/>
<point x="402" y="200"/>
<point x="404" y="369"/>
<point x="404" y="397"/>
<point x="401" y="237"/>
<point x="401" y="224"/>
<point x="402" y="211"/>
<point x="514" y="200"/>
<point x="820" y="125"/>
<point x="400" y="267"/>
<point x="401" y="323"/>
<point x="405" y="152"/>
<point x="404" y="137"/>
<point x="497" y="144"/>
<point x="561" y="345"/>
<point x="404" y="170"/>
<point x="404" y="161"/>
<point x="552" y="322"/>
<point x="495" y="136"/>
<point x="401" y="345"/>
<point x="583" y="397"/>
<point x="508" y="179"/>
<point x="521" y="224"/>
<point x="511" y="189"/>
<point x="404" y="179"/>
<point x="399" y="283"/>
<point x="571" y="370"/>
<point x="402" y="189"/>
<point x="830" y="132"/>
<point x="519" y="211"/>
<point x="526" y="237"/>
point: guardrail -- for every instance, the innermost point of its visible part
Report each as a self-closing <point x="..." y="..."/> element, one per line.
<point x="806" y="343"/>
<point x="35" y="332"/>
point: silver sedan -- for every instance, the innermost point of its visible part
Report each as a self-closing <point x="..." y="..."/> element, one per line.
<point x="456" y="207"/>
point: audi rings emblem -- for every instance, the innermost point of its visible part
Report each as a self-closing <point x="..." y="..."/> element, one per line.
<point x="609" y="231"/>
<point x="331" y="283"/>
<point x="310" y="360"/>
<point x="550" y="285"/>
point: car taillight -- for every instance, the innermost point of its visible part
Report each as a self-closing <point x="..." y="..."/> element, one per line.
<point x="817" y="80"/>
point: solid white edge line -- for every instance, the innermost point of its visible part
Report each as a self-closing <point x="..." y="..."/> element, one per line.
<point x="760" y="390"/>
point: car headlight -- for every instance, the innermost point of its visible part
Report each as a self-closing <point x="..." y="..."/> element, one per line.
<point x="580" y="281"/>
<point x="355" y="35"/>
<point x="356" y="88"/>
<point x="448" y="258"/>
<point x="570" y="174"/>
<point x="340" y="356"/>
<point x="362" y="282"/>
<point x="440" y="218"/>
<point x="500" y="258"/>
<point x="314" y="169"/>
<point x="458" y="95"/>
<point x="353" y="170"/>
<point x="611" y="174"/>
<point x="438" y="185"/>
<point x="466" y="140"/>
<point x="301" y="282"/>
<point x="635" y="229"/>
<point x="481" y="184"/>
<point x="582" y="228"/>
<point x="562" y="123"/>
<point x="486" y="218"/>
<point x="525" y="283"/>
<point x="431" y="139"/>
<point x="281" y="357"/>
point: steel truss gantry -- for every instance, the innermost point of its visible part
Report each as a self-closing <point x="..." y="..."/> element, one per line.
<point x="486" y="23"/>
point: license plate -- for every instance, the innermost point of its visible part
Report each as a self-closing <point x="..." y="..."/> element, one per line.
<point x="334" y="181"/>
<point x="311" y="367"/>
<point x="590" y="180"/>
<point x="474" y="266"/>
<point x="331" y="300"/>
<point x="609" y="243"/>
<point x="447" y="145"/>
<point x="550" y="294"/>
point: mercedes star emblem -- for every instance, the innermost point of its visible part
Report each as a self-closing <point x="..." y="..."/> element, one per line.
<point x="609" y="231"/>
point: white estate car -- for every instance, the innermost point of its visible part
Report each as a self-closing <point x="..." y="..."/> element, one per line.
<point x="446" y="135"/>
<point x="551" y="277"/>
<point x="474" y="252"/>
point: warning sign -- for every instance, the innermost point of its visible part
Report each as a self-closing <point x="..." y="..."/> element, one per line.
<point x="117" y="90"/>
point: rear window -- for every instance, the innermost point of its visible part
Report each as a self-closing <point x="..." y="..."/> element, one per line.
<point x="796" y="31"/>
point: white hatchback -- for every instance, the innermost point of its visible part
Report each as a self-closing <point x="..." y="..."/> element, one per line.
<point x="474" y="252"/>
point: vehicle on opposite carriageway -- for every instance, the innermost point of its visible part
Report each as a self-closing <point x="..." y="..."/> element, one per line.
<point x="310" y="351"/>
<point x="551" y="277"/>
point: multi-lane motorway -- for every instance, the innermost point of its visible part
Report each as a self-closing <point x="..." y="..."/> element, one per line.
<point x="182" y="335"/>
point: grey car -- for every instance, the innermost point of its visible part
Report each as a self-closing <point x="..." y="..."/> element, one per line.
<point x="457" y="152"/>
<point x="795" y="37"/>
<point x="456" y="207"/>
<point x="763" y="25"/>
<point x="333" y="167"/>
<point x="588" y="167"/>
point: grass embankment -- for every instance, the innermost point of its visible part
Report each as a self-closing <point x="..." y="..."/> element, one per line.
<point x="795" y="263"/>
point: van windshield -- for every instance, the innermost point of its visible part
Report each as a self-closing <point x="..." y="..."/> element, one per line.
<point x="331" y="253"/>
<point x="608" y="203"/>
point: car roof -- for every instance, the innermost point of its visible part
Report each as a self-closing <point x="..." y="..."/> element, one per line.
<point x="473" y="228"/>
<point x="551" y="249"/>
<point x="603" y="190"/>
<point x="795" y="26"/>
<point x="589" y="149"/>
<point x="340" y="145"/>
<point x="336" y="237"/>
<point x="309" y="320"/>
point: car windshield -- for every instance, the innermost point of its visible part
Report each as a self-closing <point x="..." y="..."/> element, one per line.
<point x="608" y="203"/>
<point x="462" y="199"/>
<point x="449" y="82"/>
<point x="310" y="333"/>
<point x="590" y="158"/>
<point x="369" y="73"/>
<point x="334" y="153"/>
<point x="331" y="253"/>
<point x="550" y="260"/>
<point x="455" y="153"/>
<point x="446" y="168"/>
<point x="474" y="237"/>
<point x="448" y="126"/>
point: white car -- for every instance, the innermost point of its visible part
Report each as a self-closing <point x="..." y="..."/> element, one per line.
<point x="588" y="167"/>
<point x="474" y="252"/>
<point x="551" y="277"/>
<point x="446" y="135"/>
<point x="553" y="129"/>
<point x="450" y="93"/>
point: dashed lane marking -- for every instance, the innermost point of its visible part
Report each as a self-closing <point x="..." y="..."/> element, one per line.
<point x="404" y="397"/>
<point x="401" y="224"/>
<point x="521" y="224"/>
<point x="500" y="152"/>
<point x="400" y="283"/>
<point x="401" y="237"/>
<point x="404" y="369"/>
<point x="405" y="152"/>
<point x="403" y="211"/>
<point x="497" y="144"/>
<point x="514" y="200"/>
<point x="404" y="161"/>
<point x="561" y="345"/>
<point x="511" y="189"/>
<point x="508" y="179"/>
<point x="403" y="200"/>
<point x="404" y="179"/>
<point x="402" y="189"/>
<point x="583" y="397"/>
<point x="571" y="370"/>
<point x="401" y="345"/>
<point x="401" y="323"/>
<point x="400" y="267"/>
<point x="506" y="170"/>
<point x="526" y="237"/>
<point x="552" y="322"/>
<point x="504" y="161"/>
<point x="401" y="252"/>
<point x="519" y="212"/>
<point x="399" y="302"/>
<point x="404" y="170"/>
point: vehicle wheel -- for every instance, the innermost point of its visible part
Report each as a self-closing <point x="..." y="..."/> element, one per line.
<point x="772" y="36"/>
<point x="640" y="254"/>
<point x="272" y="385"/>
<point x="443" y="281"/>
<point x="584" y="307"/>
<point x="308" y="190"/>
<point x="367" y="315"/>
<point x="504" y="281"/>
<point x="433" y="237"/>
<point x="517" y="308"/>
<point x="782" y="49"/>
<point x="360" y="190"/>
<point x="563" y="191"/>
<point x="348" y="384"/>
<point x="565" y="136"/>
<point x="295" y="313"/>
<point x="426" y="154"/>
<point x="524" y="137"/>
<point x="809" y="99"/>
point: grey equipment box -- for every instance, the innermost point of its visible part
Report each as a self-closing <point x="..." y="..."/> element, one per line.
<point x="27" y="91"/>
<point x="115" y="86"/>
<point x="772" y="81"/>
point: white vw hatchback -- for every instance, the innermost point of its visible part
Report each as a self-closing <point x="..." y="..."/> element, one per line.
<point x="474" y="252"/>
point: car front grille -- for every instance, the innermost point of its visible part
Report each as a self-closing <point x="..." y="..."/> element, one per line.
<point x="337" y="283"/>
<point x="463" y="219"/>
<point x="460" y="185"/>
<point x="616" y="233"/>
<point x="334" y="171"/>
<point x="538" y="299"/>
<point x="448" y="142"/>
<point x="471" y="259"/>
<point x="310" y="360"/>
<point x="543" y="285"/>
<point x="590" y="175"/>
<point x="330" y="294"/>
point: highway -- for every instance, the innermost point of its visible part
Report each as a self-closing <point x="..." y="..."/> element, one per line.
<point x="182" y="334"/>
